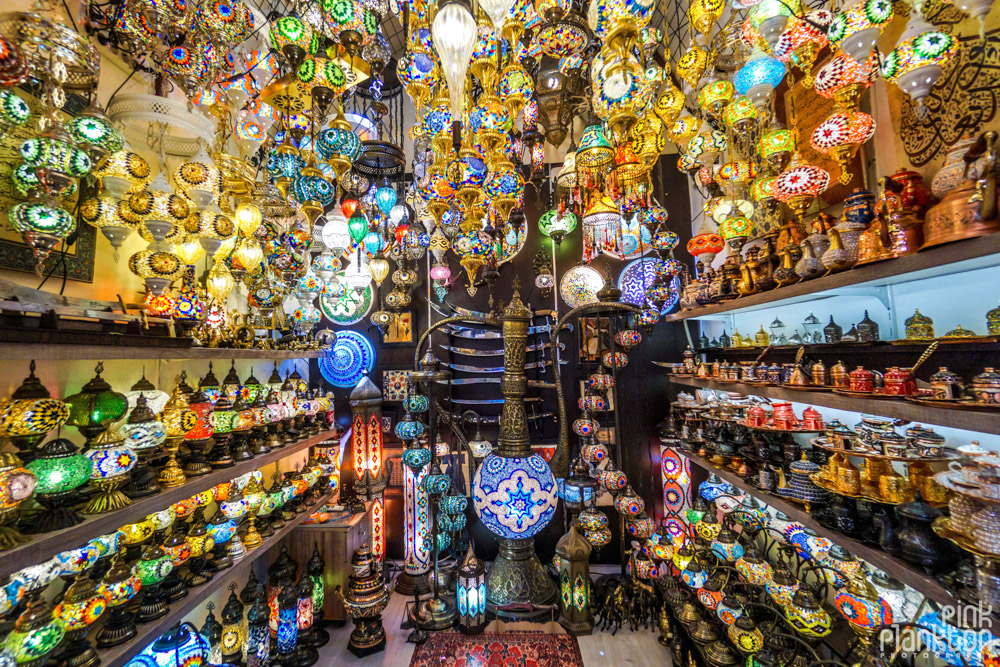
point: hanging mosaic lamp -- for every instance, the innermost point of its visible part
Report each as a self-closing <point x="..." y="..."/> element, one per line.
<point x="199" y="179"/>
<point x="505" y="185"/>
<point x="705" y="245"/>
<point x="777" y="147"/>
<point x="294" y="38"/>
<point x="706" y="145"/>
<point x="703" y="14"/>
<point x="121" y="172"/>
<point x="845" y="80"/>
<point x="715" y="95"/>
<point x="312" y="189"/>
<point x="338" y="145"/>
<point x="770" y="17"/>
<point x="856" y="29"/>
<point x="799" y="184"/>
<point x="917" y="62"/>
<point x="802" y="41"/>
<point x="841" y="135"/>
<point x="95" y="133"/>
<point x="758" y="78"/>
<point x="43" y="225"/>
<point x="557" y="225"/>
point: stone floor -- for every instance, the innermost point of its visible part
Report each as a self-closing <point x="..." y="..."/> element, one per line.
<point x="638" y="649"/>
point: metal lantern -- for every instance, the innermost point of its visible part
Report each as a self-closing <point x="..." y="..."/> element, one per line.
<point x="574" y="583"/>
<point x="366" y="404"/>
<point x="470" y="588"/>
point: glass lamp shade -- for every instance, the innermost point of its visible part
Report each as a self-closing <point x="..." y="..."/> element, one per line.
<point x="59" y="468"/>
<point x="844" y="79"/>
<point x="860" y="604"/>
<point x="556" y="225"/>
<point x="158" y="208"/>
<point x="745" y="636"/>
<point x="801" y="181"/>
<point x="35" y="635"/>
<point x="96" y="405"/>
<point x="856" y="29"/>
<point x="220" y="282"/>
<point x="294" y="38"/>
<point x="181" y="646"/>
<point x="917" y="62"/>
<point x="81" y="606"/>
<point x="121" y="172"/>
<point x="203" y="409"/>
<point x="807" y="615"/>
<point x="736" y="227"/>
<point x="55" y="153"/>
<point x="120" y="584"/>
<point x="715" y="95"/>
<point x="694" y="576"/>
<point x="155" y="399"/>
<point x="42" y="224"/>
<point x="841" y="135"/>
<point x="754" y="569"/>
<point x="515" y="497"/>
<point x="110" y="457"/>
<point x="31" y="418"/>
<point x="13" y="109"/>
<point x="322" y="77"/>
<point x="454" y="34"/>
<point x="199" y="179"/>
<point x="628" y="502"/>
<point x="770" y="17"/>
<point x="154" y="566"/>
<point x="178" y="419"/>
<point x="758" y="77"/>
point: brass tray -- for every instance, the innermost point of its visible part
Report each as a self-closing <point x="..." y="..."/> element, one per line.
<point x="869" y="394"/>
<point x="810" y="387"/>
<point x="826" y="486"/>
<point x="953" y="403"/>
<point x="942" y="528"/>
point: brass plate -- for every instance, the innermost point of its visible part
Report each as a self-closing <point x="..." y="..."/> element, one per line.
<point x="942" y="528"/>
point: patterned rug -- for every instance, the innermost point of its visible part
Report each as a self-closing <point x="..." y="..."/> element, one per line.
<point x="509" y="649"/>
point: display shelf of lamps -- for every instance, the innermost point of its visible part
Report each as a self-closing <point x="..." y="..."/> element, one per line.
<point x="46" y="545"/>
<point x="985" y="421"/>
<point x="969" y="255"/>
<point x="26" y="344"/>
<point x="909" y="574"/>
<point x="148" y="632"/>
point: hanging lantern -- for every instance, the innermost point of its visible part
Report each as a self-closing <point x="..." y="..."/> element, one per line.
<point x="799" y="184"/>
<point x="556" y="225"/>
<point x="841" y="135"/>
<point x="758" y="78"/>
<point x="777" y="147"/>
<point x="856" y="29"/>
<point x="454" y="34"/>
<point x="916" y="63"/>
<point x="770" y="17"/>
<point x="802" y="41"/>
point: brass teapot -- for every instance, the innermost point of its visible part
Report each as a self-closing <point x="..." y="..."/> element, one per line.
<point x="785" y="274"/>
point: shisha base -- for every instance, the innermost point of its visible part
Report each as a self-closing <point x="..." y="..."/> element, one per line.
<point x="437" y="613"/>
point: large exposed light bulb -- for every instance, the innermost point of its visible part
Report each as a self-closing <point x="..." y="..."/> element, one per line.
<point x="454" y="35"/>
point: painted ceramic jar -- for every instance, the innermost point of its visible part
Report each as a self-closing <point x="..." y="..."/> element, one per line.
<point x="859" y="207"/>
<point x="899" y="382"/>
<point x="946" y="384"/>
<point x="952" y="174"/>
<point x="986" y="386"/>
<point x="861" y="379"/>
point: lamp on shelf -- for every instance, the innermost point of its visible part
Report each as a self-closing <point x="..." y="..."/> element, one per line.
<point x="221" y="529"/>
<point x="181" y="645"/>
<point x="232" y="638"/>
<point x="35" y="634"/>
<point x="152" y="568"/>
<point x="199" y="542"/>
<point x="30" y="413"/>
<point x="178" y="420"/>
<point x="60" y="470"/>
<point x="120" y="585"/>
<point x="144" y="433"/>
<point x="81" y="606"/>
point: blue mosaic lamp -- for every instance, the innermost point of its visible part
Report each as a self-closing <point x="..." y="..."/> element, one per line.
<point x="758" y="77"/>
<point x="181" y="645"/>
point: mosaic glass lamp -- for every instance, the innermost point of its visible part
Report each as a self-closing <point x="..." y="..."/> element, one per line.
<point x="860" y="604"/>
<point x="42" y="224"/>
<point x="758" y="78"/>
<point x="119" y="585"/>
<point x="294" y="38"/>
<point x="806" y="614"/>
<point x="841" y="135"/>
<point x="557" y="225"/>
<point x="777" y="147"/>
<point x="30" y="414"/>
<point x="917" y="62"/>
<point x="121" y="172"/>
<point x="770" y="17"/>
<point x="180" y="646"/>
<point x="153" y="568"/>
<point x="856" y="29"/>
<point x="199" y="543"/>
<point x="35" y="635"/>
<point x="60" y="470"/>
<point x="16" y="485"/>
<point x="111" y="460"/>
<point x="178" y="420"/>
<point x="144" y="433"/>
<point x="799" y="184"/>
<point x="103" y="213"/>
<point x="81" y="606"/>
<point x="573" y="551"/>
<point x="845" y="80"/>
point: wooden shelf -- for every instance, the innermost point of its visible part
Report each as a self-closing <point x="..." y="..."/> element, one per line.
<point x="982" y="421"/>
<point x="46" y="545"/>
<point x="120" y="655"/>
<point x="66" y="351"/>
<point x="910" y="347"/>
<point x="899" y="569"/>
<point x="968" y="255"/>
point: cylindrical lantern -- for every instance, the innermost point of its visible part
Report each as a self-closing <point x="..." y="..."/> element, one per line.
<point x="416" y="527"/>
<point x="471" y="591"/>
<point x="366" y="406"/>
<point x="574" y="583"/>
<point x="232" y="628"/>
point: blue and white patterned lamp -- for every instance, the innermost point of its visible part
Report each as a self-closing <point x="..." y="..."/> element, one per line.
<point x="515" y="497"/>
<point x="351" y="357"/>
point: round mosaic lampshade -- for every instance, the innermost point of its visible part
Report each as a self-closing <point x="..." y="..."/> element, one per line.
<point x="351" y="357"/>
<point x="514" y="497"/>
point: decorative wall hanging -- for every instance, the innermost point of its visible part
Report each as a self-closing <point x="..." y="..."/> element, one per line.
<point x="351" y="357"/>
<point x="394" y="385"/>
<point x="348" y="308"/>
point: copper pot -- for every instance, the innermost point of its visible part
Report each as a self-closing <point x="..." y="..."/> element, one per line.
<point x="955" y="218"/>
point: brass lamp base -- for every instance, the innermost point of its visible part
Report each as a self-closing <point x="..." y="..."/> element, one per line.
<point x="412" y="584"/>
<point x="517" y="577"/>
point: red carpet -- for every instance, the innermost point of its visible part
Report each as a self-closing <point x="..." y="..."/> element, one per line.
<point x="509" y="649"/>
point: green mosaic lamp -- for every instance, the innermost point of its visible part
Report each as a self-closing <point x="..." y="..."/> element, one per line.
<point x="35" y="635"/>
<point x="60" y="469"/>
<point x="96" y="406"/>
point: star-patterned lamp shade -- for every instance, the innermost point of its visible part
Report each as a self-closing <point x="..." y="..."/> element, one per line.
<point x="754" y="569"/>
<point x="856" y="29"/>
<point x="740" y="114"/>
<point x="36" y="634"/>
<point x="181" y="646"/>
<point x="776" y="147"/>
<point x="294" y="38"/>
<point x="844" y="79"/>
<point x="841" y="135"/>
<point x="802" y="41"/>
<point x="706" y="145"/>
<point x="13" y="109"/>
<point x="715" y="95"/>
<point x="514" y="497"/>
<point x="798" y="185"/>
<point x="770" y="17"/>
<point x="859" y="603"/>
<point x="916" y="63"/>
<point x="42" y="225"/>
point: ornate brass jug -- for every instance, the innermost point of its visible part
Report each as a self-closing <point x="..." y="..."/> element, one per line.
<point x="810" y="265"/>
<point x="836" y="258"/>
<point x="971" y="209"/>
<point x="762" y="267"/>
<point x="746" y="285"/>
<point x="785" y="274"/>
